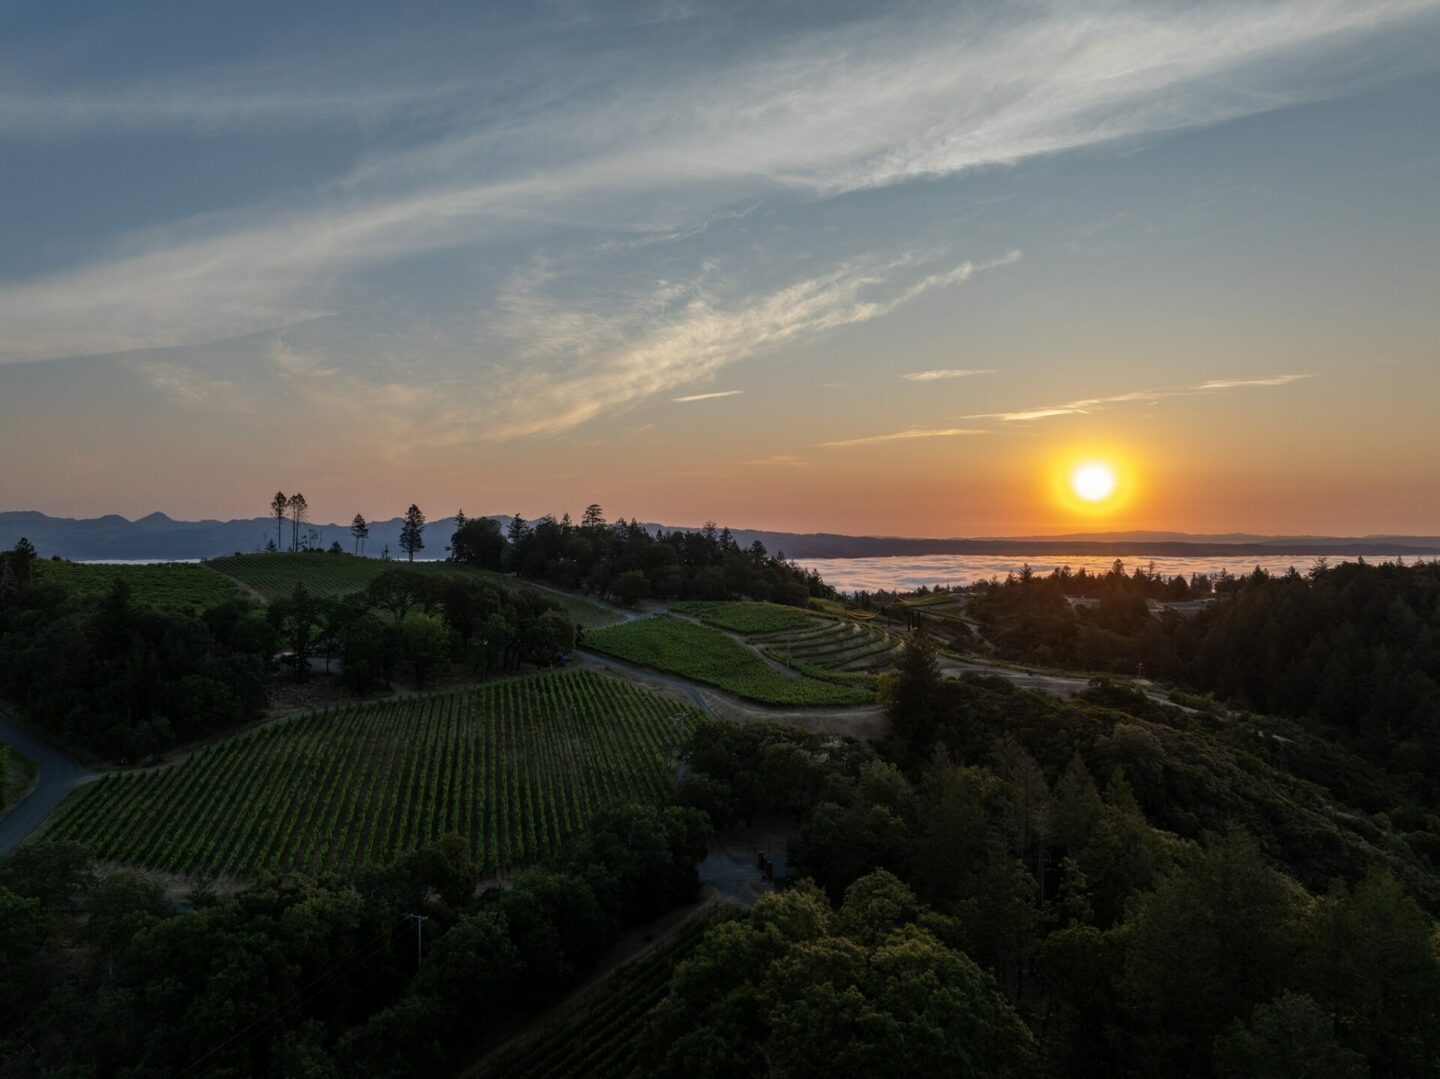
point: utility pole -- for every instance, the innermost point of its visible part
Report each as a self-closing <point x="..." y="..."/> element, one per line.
<point x="419" y="919"/>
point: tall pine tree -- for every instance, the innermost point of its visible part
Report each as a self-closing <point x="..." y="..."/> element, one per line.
<point x="412" y="532"/>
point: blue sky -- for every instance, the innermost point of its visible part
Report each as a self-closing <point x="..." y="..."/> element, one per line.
<point x="861" y="267"/>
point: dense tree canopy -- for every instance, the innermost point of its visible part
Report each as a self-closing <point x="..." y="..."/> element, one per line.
<point x="799" y="989"/>
<point x="628" y="562"/>
<point x="1355" y="646"/>
<point x="299" y="977"/>
<point x="1155" y="891"/>
<point x="125" y="680"/>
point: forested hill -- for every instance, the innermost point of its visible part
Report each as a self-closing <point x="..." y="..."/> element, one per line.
<point x="1354" y="646"/>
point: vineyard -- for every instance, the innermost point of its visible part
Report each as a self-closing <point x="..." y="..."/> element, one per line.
<point x="176" y="586"/>
<point x="706" y="655"/>
<point x="789" y="635"/>
<point x="599" y="1036"/>
<point x="276" y="574"/>
<point x="747" y="618"/>
<point x="514" y="766"/>
<point x="840" y="646"/>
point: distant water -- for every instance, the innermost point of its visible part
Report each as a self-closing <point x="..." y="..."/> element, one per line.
<point x="180" y="561"/>
<point x="139" y="561"/>
<point x="905" y="574"/>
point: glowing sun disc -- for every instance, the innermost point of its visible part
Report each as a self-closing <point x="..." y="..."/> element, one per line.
<point x="1093" y="482"/>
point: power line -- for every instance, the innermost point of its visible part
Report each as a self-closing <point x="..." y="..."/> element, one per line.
<point x="420" y="919"/>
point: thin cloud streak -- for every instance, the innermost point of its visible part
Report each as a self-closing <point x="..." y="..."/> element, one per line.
<point x="906" y="435"/>
<point x="706" y="396"/>
<point x="1236" y="383"/>
<point x="1093" y="404"/>
<point x="938" y="376"/>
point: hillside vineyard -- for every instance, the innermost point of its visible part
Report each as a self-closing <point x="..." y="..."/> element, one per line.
<point x="514" y="767"/>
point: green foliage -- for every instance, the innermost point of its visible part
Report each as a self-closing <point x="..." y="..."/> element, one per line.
<point x="839" y="646"/>
<point x="296" y="977"/>
<point x="1375" y="965"/>
<point x="126" y="679"/>
<point x="1229" y="926"/>
<point x="412" y="532"/>
<point x="796" y="990"/>
<point x="703" y="565"/>
<point x="275" y="574"/>
<point x="50" y="872"/>
<point x="514" y="766"/>
<point x="24" y="928"/>
<point x="1355" y="646"/>
<point x="296" y="619"/>
<point x="600" y="1036"/>
<point x="746" y="618"/>
<point x="707" y="655"/>
<point x="631" y="587"/>
<point x="168" y="586"/>
<point x="425" y="641"/>
<point x="478" y="542"/>
<point x="1289" y="1038"/>
<point x="369" y="655"/>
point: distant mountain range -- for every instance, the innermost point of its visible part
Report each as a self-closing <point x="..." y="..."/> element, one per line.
<point x="160" y="537"/>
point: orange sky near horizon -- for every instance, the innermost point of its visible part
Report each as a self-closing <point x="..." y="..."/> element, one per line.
<point x="690" y="466"/>
<point x="884" y="270"/>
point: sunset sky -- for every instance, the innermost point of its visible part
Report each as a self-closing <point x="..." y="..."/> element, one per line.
<point x="807" y="267"/>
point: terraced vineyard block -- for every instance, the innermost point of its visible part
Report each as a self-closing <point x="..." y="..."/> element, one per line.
<point x="706" y="655"/>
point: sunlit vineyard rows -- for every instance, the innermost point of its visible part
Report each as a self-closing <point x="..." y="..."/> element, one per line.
<point x="514" y="767"/>
<point x="707" y="655"/>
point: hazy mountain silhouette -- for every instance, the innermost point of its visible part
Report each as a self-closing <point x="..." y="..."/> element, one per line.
<point x="160" y="536"/>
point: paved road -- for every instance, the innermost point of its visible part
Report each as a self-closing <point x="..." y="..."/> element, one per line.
<point x="631" y="670"/>
<point x="56" y="776"/>
<point x="1060" y="685"/>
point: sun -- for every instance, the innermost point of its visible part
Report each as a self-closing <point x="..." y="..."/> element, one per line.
<point x="1093" y="481"/>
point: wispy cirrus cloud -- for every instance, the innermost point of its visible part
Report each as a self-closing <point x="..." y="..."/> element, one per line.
<point x="657" y="150"/>
<point x="1239" y="383"/>
<point x="947" y="373"/>
<point x="906" y="435"/>
<point x="191" y="386"/>
<point x="609" y="360"/>
<point x="1087" y="405"/>
<point x="688" y="398"/>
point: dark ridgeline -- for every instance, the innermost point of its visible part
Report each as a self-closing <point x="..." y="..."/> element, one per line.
<point x="159" y="536"/>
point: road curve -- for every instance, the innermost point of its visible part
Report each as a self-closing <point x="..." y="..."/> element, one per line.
<point x="1058" y="684"/>
<point x="638" y="673"/>
<point x="56" y="776"/>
